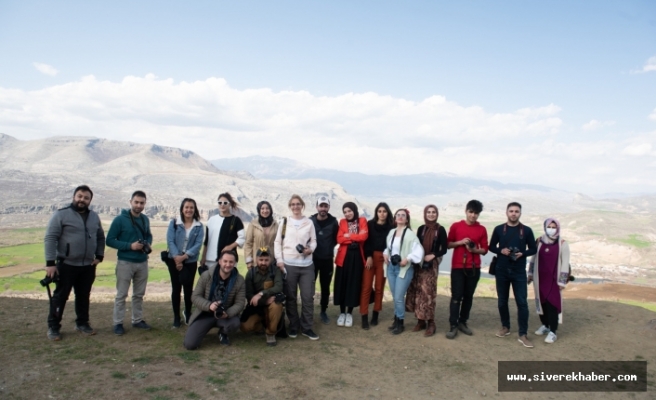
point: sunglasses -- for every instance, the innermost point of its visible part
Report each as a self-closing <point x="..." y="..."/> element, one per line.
<point x="295" y="204"/>
<point x="224" y="203"/>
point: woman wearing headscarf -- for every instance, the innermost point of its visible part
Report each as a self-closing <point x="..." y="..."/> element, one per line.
<point x="422" y="292"/>
<point x="261" y="232"/>
<point x="352" y="234"/>
<point x="549" y="271"/>
<point x="403" y="249"/>
<point x="379" y="226"/>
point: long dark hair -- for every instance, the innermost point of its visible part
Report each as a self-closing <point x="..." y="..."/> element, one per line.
<point x="196" y="212"/>
<point x="264" y="222"/>
<point x="390" y="218"/>
<point x="233" y="204"/>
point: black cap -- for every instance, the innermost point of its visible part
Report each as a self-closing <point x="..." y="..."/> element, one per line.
<point x="263" y="251"/>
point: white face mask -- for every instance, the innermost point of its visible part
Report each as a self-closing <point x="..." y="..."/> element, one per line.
<point x="551" y="232"/>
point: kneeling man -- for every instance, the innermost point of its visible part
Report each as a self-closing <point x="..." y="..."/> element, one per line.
<point x="262" y="285"/>
<point x="219" y="298"/>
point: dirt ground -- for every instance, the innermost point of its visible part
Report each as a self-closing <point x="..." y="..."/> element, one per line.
<point x="346" y="363"/>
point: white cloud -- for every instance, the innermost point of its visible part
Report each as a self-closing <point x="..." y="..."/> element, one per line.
<point x="653" y="115"/>
<point x="649" y="66"/>
<point x="594" y="125"/>
<point x="364" y="132"/>
<point x="45" y="68"/>
<point x="638" y="149"/>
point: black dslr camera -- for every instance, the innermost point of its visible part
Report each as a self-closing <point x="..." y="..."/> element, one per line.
<point x="513" y="253"/>
<point x="395" y="259"/>
<point x="426" y="265"/>
<point x="279" y="297"/>
<point x="48" y="280"/>
<point x="300" y="248"/>
<point x="219" y="311"/>
<point x="146" y="246"/>
<point x="471" y="244"/>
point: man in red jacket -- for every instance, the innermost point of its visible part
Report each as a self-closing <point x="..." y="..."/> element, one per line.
<point x="468" y="239"/>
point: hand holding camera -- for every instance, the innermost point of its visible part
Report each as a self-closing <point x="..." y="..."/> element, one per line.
<point x="514" y="253"/>
<point x="145" y="246"/>
<point x="395" y="259"/>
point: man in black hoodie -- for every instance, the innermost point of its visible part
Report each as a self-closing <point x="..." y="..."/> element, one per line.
<point x="326" y="227"/>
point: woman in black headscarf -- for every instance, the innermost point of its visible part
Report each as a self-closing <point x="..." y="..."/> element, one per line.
<point x="261" y="232"/>
<point x="353" y="232"/>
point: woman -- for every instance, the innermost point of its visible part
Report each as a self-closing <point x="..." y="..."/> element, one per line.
<point x="378" y="227"/>
<point x="184" y="238"/>
<point x="293" y="247"/>
<point x="225" y="232"/>
<point x="352" y="234"/>
<point x="549" y="271"/>
<point x="403" y="249"/>
<point x="423" y="288"/>
<point x="261" y="232"/>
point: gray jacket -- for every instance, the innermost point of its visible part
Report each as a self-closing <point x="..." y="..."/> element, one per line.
<point x="69" y="238"/>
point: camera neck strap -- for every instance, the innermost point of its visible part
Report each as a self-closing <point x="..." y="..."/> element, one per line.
<point x="400" y="245"/>
<point x="141" y="230"/>
<point x="521" y="231"/>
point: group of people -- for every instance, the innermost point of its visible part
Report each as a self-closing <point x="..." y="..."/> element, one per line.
<point x="285" y="257"/>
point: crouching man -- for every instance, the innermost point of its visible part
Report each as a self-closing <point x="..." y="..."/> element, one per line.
<point x="264" y="295"/>
<point x="219" y="298"/>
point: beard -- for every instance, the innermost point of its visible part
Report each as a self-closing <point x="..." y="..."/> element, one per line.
<point x="75" y="206"/>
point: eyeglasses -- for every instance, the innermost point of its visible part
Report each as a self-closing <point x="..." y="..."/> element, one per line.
<point x="295" y="204"/>
<point x="224" y="203"/>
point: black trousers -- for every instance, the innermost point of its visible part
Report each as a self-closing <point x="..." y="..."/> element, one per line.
<point x="323" y="269"/>
<point x="463" y="286"/>
<point x="177" y="286"/>
<point x="80" y="279"/>
<point x="549" y="317"/>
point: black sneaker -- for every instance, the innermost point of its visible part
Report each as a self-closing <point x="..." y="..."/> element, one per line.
<point x="223" y="339"/>
<point x="86" y="329"/>
<point x="53" y="334"/>
<point x="141" y="325"/>
<point x="293" y="333"/>
<point x="176" y="322"/>
<point x="310" y="334"/>
<point x="118" y="330"/>
<point x="465" y="329"/>
<point x="324" y="318"/>
<point x="452" y="333"/>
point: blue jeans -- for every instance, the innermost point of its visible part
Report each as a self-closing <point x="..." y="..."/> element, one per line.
<point x="505" y="277"/>
<point x="399" y="286"/>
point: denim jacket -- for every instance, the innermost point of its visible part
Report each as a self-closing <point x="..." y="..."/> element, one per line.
<point x="175" y="238"/>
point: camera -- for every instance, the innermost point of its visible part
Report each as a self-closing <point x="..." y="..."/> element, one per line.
<point x="219" y="311"/>
<point x="426" y="265"/>
<point x="471" y="244"/>
<point x="300" y="248"/>
<point x="48" y="280"/>
<point x="279" y="297"/>
<point x="146" y="246"/>
<point x="513" y="253"/>
<point x="395" y="259"/>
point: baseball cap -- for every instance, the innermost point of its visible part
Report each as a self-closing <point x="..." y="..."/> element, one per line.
<point x="323" y="200"/>
<point x="263" y="251"/>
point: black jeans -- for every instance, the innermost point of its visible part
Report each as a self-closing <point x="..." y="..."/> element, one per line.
<point x="549" y="317"/>
<point x="323" y="269"/>
<point x="514" y="276"/>
<point x="463" y="286"/>
<point x="79" y="279"/>
<point x="177" y="286"/>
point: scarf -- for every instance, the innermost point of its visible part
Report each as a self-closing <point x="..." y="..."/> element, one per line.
<point x="214" y="296"/>
<point x="354" y="208"/>
<point x="550" y="239"/>
<point x="430" y="230"/>
<point x="264" y="222"/>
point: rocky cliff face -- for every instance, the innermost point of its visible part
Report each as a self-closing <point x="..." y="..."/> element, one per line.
<point x="39" y="176"/>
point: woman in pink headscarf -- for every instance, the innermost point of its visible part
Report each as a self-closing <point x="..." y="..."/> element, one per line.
<point x="549" y="270"/>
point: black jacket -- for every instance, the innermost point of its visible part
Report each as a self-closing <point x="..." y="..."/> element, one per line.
<point x="326" y="237"/>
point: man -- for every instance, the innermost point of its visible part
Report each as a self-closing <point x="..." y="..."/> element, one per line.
<point x="263" y="284"/>
<point x="468" y="238"/>
<point x="74" y="244"/>
<point x="513" y="242"/>
<point x="326" y="227"/>
<point x="219" y="298"/>
<point x="130" y="235"/>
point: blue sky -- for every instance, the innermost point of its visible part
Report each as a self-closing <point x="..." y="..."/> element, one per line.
<point x="582" y="69"/>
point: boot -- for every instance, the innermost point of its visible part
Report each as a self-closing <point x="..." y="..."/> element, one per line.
<point x="399" y="327"/>
<point x="421" y="325"/>
<point x="365" y="322"/>
<point x="374" y="319"/>
<point x="430" y="329"/>
<point x="396" y="321"/>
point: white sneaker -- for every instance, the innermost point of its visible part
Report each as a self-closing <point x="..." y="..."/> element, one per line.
<point x="349" y="321"/>
<point x="341" y="319"/>
<point x="543" y="330"/>
<point x="551" y="337"/>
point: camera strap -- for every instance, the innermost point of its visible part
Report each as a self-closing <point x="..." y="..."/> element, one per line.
<point x="400" y="245"/>
<point x="521" y="231"/>
<point x="143" y="233"/>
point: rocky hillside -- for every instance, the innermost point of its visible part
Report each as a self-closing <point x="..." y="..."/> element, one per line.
<point x="39" y="175"/>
